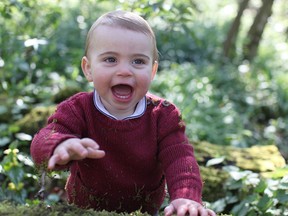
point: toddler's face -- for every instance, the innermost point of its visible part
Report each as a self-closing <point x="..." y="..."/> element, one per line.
<point x="121" y="67"/>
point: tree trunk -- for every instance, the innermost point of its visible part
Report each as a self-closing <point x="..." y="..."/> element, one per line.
<point x="254" y="35"/>
<point x="229" y="45"/>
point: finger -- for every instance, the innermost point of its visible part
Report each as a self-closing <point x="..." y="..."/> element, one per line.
<point x="169" y="210"/>
<point x="87" y="142"/>
<point x="193" y="211"/>
<point x="202" y="211"/>
<point x="211" y="213"/>
<point x="53" y="161"/>
<point x="92" y="153"/>
<point x="93" y="148"/>
<point x="77" y="151"/>
<point x="182" y="210"/>
<point x="71" y="149"/>
<point x="61" y="157"/>
<point x="63" y="154"/>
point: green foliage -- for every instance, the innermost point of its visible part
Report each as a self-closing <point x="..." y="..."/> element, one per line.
<point x="23" y="45"/>
<point x="14" y="169"/>
<point x="208" y="101"/>
<point x="250" y="194"/>
<point x="227" y="104"/>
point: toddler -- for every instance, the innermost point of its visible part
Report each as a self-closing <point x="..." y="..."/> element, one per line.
<point x="121" y="144"/>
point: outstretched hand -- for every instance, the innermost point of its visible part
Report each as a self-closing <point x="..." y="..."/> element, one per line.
<point x="184" y="207"/>
<point x="74" y="149"/>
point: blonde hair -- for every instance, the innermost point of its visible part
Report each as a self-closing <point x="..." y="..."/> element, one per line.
<point x="126" y="20"/>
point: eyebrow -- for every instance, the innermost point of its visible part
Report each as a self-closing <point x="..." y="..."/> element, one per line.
<point x="116" y="54"/>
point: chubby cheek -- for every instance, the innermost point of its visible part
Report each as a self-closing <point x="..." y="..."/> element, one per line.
<point x="100" y="83"/>
<point x="100" y="77"/>
<point x="144" y="82"/>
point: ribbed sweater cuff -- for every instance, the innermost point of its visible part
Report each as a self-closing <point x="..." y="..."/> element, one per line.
<point x="42" y="153"/>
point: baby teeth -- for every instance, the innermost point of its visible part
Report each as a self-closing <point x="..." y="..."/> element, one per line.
<point x="122" y="97"/>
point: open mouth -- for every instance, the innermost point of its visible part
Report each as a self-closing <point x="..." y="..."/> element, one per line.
<point x="122" y="91"/>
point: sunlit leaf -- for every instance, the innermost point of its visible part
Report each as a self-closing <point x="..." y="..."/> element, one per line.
<point x="215" y="161"/>
<point x="23" y="136"/>
<point x="25" y="159"/>
<point x="239" y="175"/>
<point x="261" y="186"/>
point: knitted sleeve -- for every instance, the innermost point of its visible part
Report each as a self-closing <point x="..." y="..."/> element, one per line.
<point x="177" y="157"/>
<point x="67" y="122"/>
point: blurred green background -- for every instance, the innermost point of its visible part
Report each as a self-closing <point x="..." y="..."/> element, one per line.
<point x="222" y="62"/>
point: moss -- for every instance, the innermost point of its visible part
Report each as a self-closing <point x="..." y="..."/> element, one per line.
<point x="265" y="160"/>
<point x="257" y="158"/>
<point x="8" y="209"/>
<point x="276" y="174"/>
<point x="66" y="93"/>
<point x="214" y="180"/>
<point x="35" y="119"/>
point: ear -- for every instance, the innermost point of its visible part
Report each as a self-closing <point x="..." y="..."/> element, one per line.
<point x="154" y="70"/>
<point x="86" y="68"/>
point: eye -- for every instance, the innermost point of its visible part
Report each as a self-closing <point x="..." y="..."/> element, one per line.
<point x="138" y="61"/>
<point x="110" y="60"/>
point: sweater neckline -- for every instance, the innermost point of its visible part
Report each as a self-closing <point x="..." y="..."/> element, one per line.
<point x="139" y="110"/>
<point x="152" y="102"/>
<point x="121" y="125"/>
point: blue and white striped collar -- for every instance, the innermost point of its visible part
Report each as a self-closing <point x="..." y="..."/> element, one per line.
<point x="139" y="110"/>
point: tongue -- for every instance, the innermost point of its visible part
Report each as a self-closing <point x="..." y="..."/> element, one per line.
<point x="122" y="90"/>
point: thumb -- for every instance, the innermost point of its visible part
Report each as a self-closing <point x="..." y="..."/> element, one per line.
<point x="53" y="161"/>
<point x="169" y="210"/>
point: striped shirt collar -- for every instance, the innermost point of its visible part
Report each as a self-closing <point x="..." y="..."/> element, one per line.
<point x="139" y="110"/>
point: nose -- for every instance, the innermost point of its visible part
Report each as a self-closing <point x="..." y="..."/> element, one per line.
<point x="124" y="69"/>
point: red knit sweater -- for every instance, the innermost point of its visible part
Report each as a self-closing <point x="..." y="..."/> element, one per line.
<point x="142" y="155"/>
